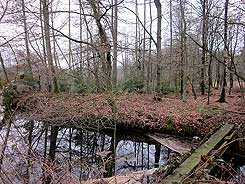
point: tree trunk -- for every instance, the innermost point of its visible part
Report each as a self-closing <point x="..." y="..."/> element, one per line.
<point x="157" y="155"/>
<point x="3" y="67"/>
<point x="144" y="46"/>
<point x="81" y="38"/>
<point x="209" y="77"/>
<point x="226" y="50"/>
<point x="28" y="55"/>
<point x="52" y="150"/>
<point x="171" y="46"/>
<point x="44" y="60"/>
<point x="105" y="49"/>
<point x="149" y="64"/>
<point x="136" y="38"/>
<point x="159" y="40"/>
<point x="204" y="43"/>
<point x="183" y="58"/>
<point x="48" y="46"/>
<point x="114" y="31"/>
<point x="30" y="135"/>
<point x="218" y="75"/>
<point x="69" y="34"/>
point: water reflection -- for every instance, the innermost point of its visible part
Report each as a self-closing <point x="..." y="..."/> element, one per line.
<point x="35" y="152"/>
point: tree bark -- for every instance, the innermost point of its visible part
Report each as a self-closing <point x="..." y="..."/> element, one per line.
<point x="105" y="49"/>
<point x="3" y="67"/>
<point x="226" y="50"/>
<point x="171" y="45"/>
<point x="183" y="58"/>
<point x="44" y="60"/>
<point x="28" y="55"/>
<point x="149" y="65"/>
<point x="204" y="43"/>
<point x="114" y="31"/>
<point x="81" y="38"/>
<point x="48" y="46"/>
<point x="159" y="40"/>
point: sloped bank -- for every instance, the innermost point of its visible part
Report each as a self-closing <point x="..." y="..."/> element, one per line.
<point x="136" y="112"/>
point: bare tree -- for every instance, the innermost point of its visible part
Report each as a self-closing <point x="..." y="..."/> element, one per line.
<point x="105" y="48"/>
<point x="183" y="57"/>
<point x="48" y="45"/>
<point x="159" y="40"/>
<point x="204" y="42"/>
<point x="226" y="50"/>
<point x="115" y="35"/>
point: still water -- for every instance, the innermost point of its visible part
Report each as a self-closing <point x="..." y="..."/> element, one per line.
<point x="79" y="154"/>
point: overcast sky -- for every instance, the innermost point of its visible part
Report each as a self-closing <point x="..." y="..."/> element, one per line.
<point x="126" y="22"/>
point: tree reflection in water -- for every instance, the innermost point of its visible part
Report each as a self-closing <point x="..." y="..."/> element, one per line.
<point x="36" y="152"/>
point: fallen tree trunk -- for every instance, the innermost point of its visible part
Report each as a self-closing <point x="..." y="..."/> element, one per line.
<point x="172" y="143"/>
<point x="190" y="163"/>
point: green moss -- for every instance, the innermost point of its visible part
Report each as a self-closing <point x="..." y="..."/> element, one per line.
<point x="191" y="162"/>
<point x="209" y="110"/>
<point x="9" y="95"/>
<point x="188" y="130"/>
<point x="169" y="124"/>
<point x="133" y="85"/>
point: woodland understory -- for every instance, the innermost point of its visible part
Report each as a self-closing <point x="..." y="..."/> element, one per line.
<point x="79" y="78"/>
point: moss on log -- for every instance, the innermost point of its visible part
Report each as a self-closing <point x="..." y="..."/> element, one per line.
<point x="190" y="163"/>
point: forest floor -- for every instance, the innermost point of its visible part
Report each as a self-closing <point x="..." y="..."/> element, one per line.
<point x="134" y="111"/>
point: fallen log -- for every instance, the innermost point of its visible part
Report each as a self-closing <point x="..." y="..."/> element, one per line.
<point x="190" y="163"/>
<point x="172" y="143"/>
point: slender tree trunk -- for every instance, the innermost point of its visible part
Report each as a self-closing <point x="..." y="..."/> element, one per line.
<point x="54" y="39"/>
<point x="52" y="150"/>
<point x="81" y="38"/>
<point x="81" y="154"/>
<point x="204" y="43"/>
<point x="171" y="72"/>
<point x="136" y="37"/>
<point x="5" y="141"/>
<point x="70" y="150"/>
<point x="183" y="70"/>
<point x="110" y="165"/>
<point x="144" y="46"/>
<point x="30" y="135"/>
<point x="105" y="50"/>
<point x="3" y="67"/>
<point x="28" y="55"/>
<point x="226" y="50"/>
<point x="149" y="65"/>
<point x="231" y="77"/>
<point x="159" y="40"/>
<point x="157" y="155"/>
<point x="209" y="77"/>
<point x="47" y="74"/>
<point x="69" y="34"/>
<point x="48" y="45"/>
<point x="232" y="63"/>
<point x="218" y="75"/>
<point x="114" y="30"/>
<point x="53" y="140"/>
<point x="210" y="82"/>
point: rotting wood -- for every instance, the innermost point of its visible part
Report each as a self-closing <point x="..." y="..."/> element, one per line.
<point x="172" y="143"/>
<point x="134" y="177"/>
<point x="190" y="163"/>
<point x="208" y="166"/>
